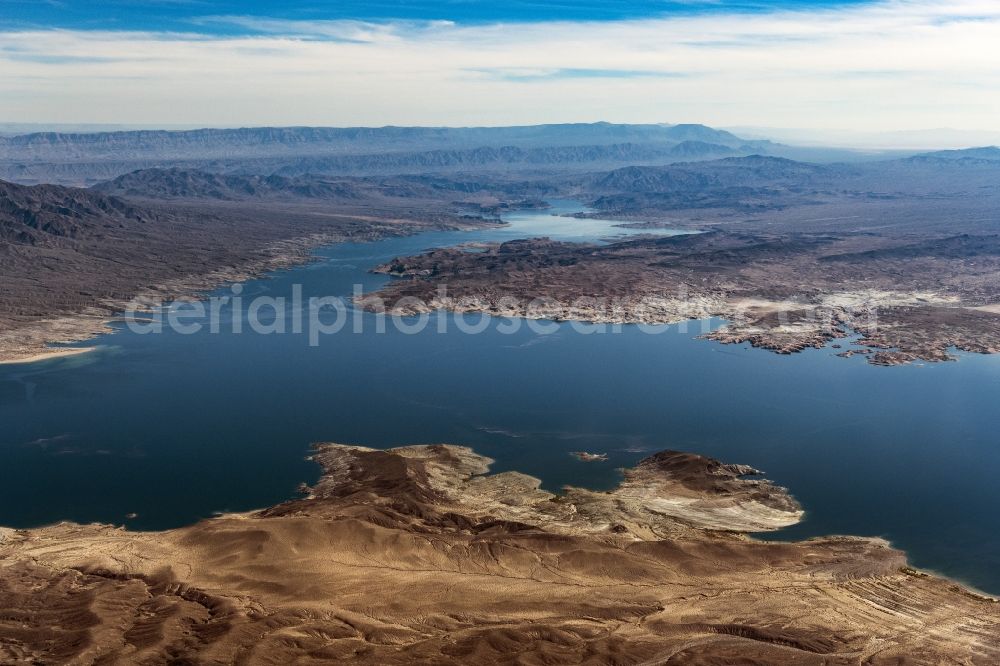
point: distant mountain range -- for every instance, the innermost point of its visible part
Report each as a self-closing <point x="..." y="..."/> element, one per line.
<point x="272" y="141"/>
<point x="290" y="152"/>
<point x="589" y="156"/>
<point x="984" y="154"/>
<point x="86" y="158"/>
<point x="737" y="182"/>
<point x="753" y="170"/>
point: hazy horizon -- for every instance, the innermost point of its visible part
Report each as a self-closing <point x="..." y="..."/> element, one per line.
<point x="910" y="140"/>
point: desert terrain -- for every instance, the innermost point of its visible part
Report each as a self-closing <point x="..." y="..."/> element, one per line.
<point x="73" y="258"/>
<point x="793" y="255"/>
<point x="903" y="251"/>
<point x="784" y="293"/>
<point x="419" y="555"/>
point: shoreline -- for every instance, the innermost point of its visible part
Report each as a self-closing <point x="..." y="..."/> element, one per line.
<point x="755" y="530"/>
<point x="47" y="355"/>
<point x="657" y="281"/>
<point x="467" y="560"/>
<point x="31" y="340"/>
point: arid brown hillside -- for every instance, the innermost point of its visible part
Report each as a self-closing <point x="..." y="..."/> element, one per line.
<point x="70" y="258"/>
<point x="416" y="556"/>
<point x="54" y="215"/>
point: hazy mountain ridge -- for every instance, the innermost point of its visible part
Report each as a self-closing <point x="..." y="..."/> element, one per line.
<point x="769" y="182"/>
<point x="972" y="155"/>
<point x="911" y="175"/>
<point x="745" y="174"/>
<point x="405" y="190"/>
<point x="750" y="170"/>
<point x="739" y="183"/>
<point x="504" y="156"/>
<point x="89" y="158"/>
<point x="484" y="158"/>
<point x="188" y="183"/>
<point x="256" y="141"/>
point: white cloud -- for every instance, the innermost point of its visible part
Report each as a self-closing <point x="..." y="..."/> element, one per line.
<point x="892" y="65"/>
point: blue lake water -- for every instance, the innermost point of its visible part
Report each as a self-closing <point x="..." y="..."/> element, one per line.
<point x="174" y="427"/>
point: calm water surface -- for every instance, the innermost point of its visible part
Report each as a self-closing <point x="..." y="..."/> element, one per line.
<point x="175" y="427"/>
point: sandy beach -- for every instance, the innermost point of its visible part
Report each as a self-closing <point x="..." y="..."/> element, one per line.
<point x="46" y="355"/>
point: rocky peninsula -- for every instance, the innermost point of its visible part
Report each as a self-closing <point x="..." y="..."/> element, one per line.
<point x="909" y="299"/>
<point x="419" y="555"/>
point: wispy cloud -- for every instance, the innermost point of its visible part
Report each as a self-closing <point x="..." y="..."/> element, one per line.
<point x="888" y="65"/>
<point x="537" y="74"/>
<point x="359" y="32"/>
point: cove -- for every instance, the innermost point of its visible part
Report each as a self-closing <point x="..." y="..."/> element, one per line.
<point x="174" y="427"/>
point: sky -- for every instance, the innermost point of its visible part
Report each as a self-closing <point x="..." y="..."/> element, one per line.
<point x="888" y="66"/>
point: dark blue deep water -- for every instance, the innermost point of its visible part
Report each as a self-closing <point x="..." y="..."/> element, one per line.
<point x="174" y="427"/>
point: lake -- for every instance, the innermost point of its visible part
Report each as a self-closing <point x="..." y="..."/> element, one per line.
<point x="173" y="427"/>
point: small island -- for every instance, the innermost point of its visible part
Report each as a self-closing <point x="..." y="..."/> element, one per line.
<point x="584" y="456"/>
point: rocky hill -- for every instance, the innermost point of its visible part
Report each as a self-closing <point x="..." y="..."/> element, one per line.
<point x="754" y="183"/>
<point x="750" y="170"/>
<point x="742" y="183"/>
<point x="193" y="184"/>
<point x="51" y="214"/>
<point x="71" y="258"/>
<point x="480" y="568"/>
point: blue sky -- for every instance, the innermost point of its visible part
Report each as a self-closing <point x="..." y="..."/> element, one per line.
<point x="876" y="66"/>
<point x="183" y="15"/>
